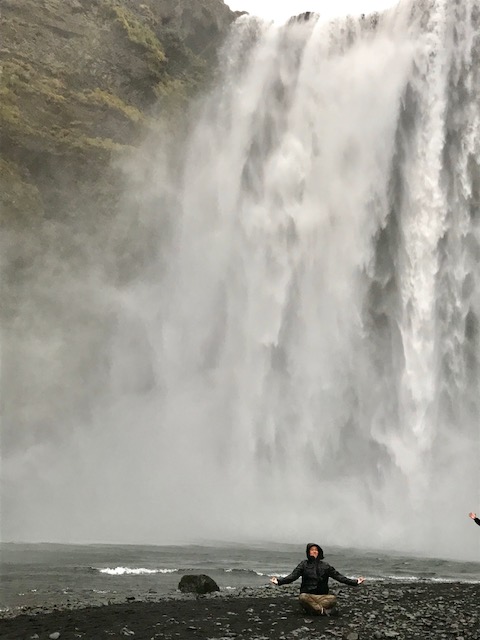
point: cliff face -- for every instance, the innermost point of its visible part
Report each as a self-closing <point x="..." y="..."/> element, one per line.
<point x="81" y="81"/>
<point x="84" y="84"/>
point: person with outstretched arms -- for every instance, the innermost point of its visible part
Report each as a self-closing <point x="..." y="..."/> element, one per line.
<point x="315" y="572"/>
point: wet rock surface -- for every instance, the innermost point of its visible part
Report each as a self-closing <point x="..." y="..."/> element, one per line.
<point x="199" y="584"/>
<point x="84" y="82"/>
<point x="403" y="612"/>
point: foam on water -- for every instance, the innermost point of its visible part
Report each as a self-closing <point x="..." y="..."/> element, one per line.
<point x="120" y="571"/>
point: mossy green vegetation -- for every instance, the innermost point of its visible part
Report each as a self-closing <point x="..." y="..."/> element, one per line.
<point x="86" y="82"/>
<point x="186" y="72"/>
<point x="22" y="76"/>
<point x="102" y="99"/>
<point x="47" y="121"/>
<point x="137" y="32"/>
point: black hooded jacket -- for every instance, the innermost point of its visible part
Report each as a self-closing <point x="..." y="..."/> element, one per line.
<point x="477" y="520"/>
<point x="315" y="574"/>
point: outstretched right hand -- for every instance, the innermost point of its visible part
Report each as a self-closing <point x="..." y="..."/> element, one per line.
<point x="274" y="580"/>
<point x="360" y="580"/>
<point x="472" y="515"/>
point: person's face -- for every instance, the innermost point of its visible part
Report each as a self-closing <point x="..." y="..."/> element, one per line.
<point x="313" y="552"/>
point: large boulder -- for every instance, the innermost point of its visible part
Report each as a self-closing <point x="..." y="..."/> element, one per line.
<point x="198" y="584"/>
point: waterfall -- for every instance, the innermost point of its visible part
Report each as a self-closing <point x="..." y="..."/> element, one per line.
<point x="302" y="360"/>
<point x="325" y="300"/>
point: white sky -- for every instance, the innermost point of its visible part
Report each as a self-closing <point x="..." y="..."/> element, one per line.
<point x="281" y="10"/>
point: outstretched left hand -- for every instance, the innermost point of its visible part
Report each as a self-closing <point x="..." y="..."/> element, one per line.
<point x="360" y="580"/>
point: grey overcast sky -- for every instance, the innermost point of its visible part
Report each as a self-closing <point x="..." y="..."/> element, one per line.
<point x="281" y="10"/>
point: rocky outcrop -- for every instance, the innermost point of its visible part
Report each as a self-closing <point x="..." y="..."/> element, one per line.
<point x="86" y="79"/>
<point x="83" y="84"/>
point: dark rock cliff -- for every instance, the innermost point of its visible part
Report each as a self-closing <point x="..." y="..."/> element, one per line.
<point x="84" y="80"/>
<point x="84" y="85"/>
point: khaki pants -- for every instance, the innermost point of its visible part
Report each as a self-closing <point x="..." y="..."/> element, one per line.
<point x="318" y="605"/>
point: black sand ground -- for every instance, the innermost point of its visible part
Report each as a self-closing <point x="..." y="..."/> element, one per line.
<point x="414" y="611"/>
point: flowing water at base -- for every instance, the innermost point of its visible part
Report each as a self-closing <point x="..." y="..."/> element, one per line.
<point x="48" y="574"/>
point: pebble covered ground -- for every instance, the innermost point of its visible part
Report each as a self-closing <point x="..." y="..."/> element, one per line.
<point x="422" y="611"/>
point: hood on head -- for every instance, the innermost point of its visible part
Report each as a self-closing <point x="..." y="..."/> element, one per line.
<point x="320" y="550"/>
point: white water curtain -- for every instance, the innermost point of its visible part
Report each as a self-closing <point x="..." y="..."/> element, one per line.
<point x="303" y="362"/>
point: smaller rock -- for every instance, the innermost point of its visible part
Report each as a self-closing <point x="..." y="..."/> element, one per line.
<point x="352" y="636"/>
<point x="54" y="636"/>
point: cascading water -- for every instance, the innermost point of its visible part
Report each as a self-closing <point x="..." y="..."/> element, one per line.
<point x="305" y="360"/>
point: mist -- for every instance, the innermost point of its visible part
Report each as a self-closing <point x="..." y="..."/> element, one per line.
<point x="277" y="337"/>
